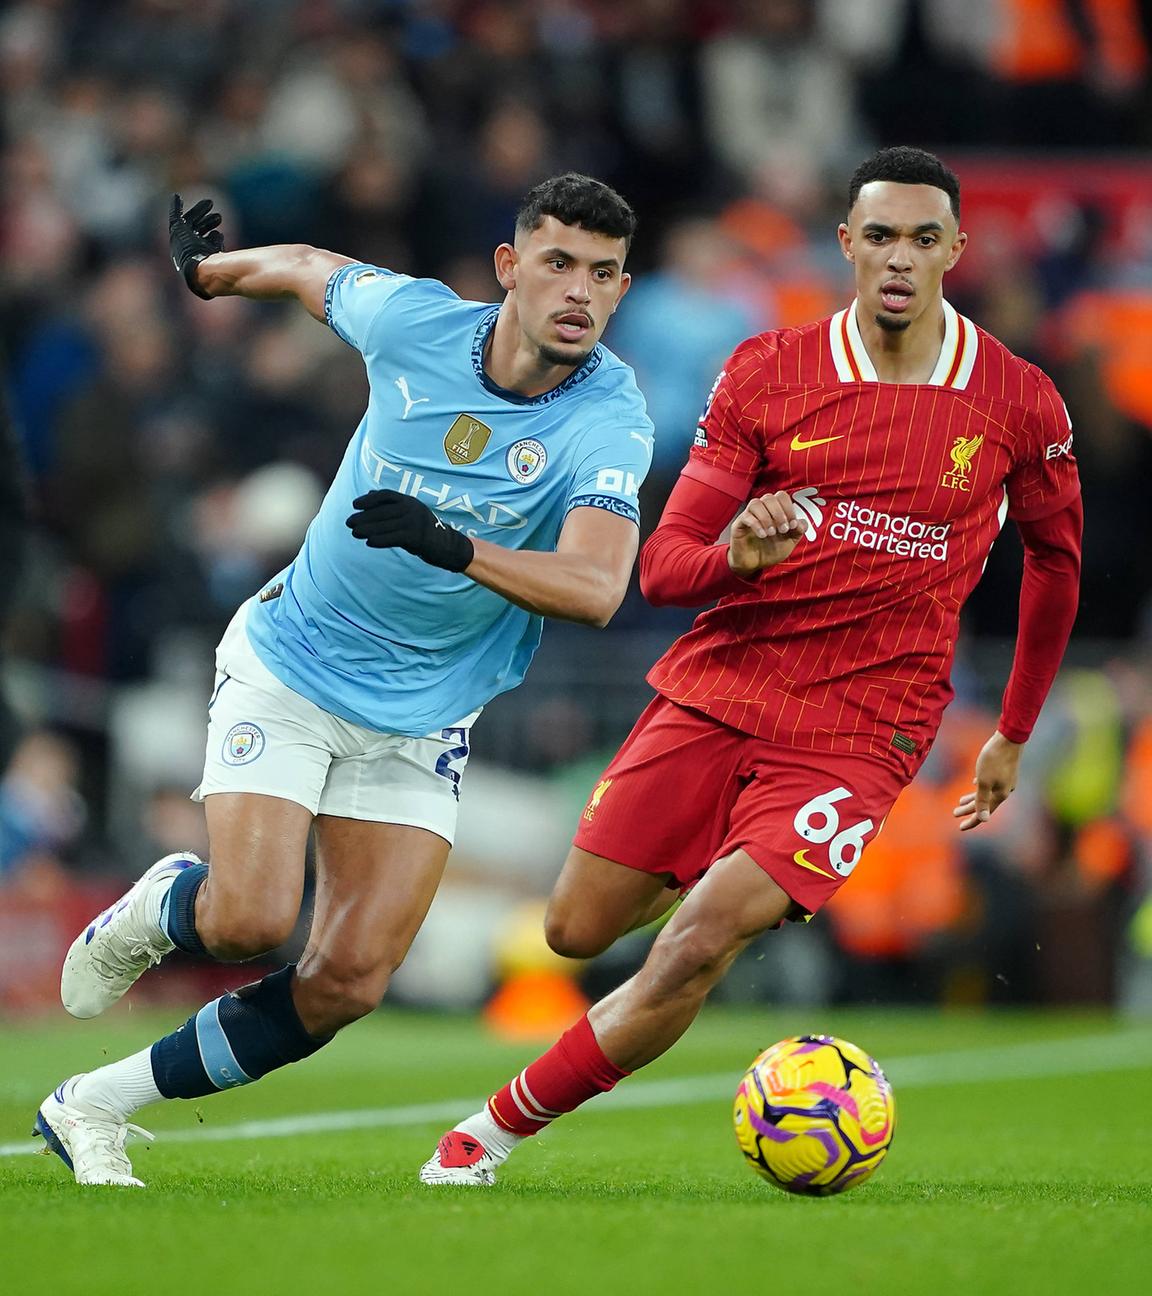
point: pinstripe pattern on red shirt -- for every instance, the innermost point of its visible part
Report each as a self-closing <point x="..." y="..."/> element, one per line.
<point x="849" y="642"/>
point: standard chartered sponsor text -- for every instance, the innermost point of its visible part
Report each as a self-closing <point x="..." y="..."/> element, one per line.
<point x="892" y="533"/>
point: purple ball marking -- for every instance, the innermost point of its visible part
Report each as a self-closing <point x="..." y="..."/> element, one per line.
<point x="830" y="1144"/>
<point x="767" y="1129"/>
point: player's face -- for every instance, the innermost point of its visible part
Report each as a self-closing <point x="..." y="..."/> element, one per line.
<point x="901" y="238"/>
<point x="566" y="282"/>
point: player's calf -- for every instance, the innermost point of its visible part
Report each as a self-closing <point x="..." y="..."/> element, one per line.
<point x="234" y="1040"/>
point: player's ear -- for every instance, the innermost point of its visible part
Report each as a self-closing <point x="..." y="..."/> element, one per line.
<point x="625" y="284"/>
<point x="958" y="245"/>
<point x="845" y="242"/>
<point x="506" y="264"/>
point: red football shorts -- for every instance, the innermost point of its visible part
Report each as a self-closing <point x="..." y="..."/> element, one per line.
<point x="685" y="790"/>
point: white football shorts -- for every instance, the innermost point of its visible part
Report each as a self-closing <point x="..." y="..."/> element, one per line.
<point x="264" y="737"/>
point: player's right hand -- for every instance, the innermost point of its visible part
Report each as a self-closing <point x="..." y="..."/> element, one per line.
<point x="765" y="533"/>
<point x="386" y="519"/>
<point x="192" y="236"/>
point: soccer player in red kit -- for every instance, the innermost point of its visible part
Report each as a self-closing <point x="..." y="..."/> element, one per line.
<point x="881" y="451"/>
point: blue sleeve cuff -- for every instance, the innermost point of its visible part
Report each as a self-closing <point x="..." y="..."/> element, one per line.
<point x="618" y="506"/>
<point x="330" y="292"/>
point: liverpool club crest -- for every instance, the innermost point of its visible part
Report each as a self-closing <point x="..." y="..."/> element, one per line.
<point x="963" y="452"/>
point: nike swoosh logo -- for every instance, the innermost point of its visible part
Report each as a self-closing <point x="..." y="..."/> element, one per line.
<point x="798" y="858"/>
<point x="797" y="444"/>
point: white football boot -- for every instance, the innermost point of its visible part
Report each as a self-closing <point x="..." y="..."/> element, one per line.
<point x="460" y="1159"/>
<point x="121" y="943"/>
<point x="88" y="1141"/>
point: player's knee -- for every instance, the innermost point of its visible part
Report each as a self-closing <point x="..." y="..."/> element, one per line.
<point x="232" y="933"/>
<point x="574" y="937"/>
<point x="690" y="958"/>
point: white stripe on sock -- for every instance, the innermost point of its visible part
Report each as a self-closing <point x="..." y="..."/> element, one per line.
<point x="533" y="1099"/>
<point x="531" y="1115"/>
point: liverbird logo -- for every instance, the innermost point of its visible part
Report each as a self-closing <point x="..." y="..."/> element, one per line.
<point x="594" y="800"/>
<point x="963" y="452"/>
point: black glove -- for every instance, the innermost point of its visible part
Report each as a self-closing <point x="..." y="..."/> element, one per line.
<point x="192" y="236"/>
<point x="389" y="520"/>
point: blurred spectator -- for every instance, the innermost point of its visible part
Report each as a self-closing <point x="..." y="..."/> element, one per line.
<point x="175" y="448"/>
<point x="769" y="83"/>
<point x="676" y="328"/>
<point x="41" y="810"/>
<point x="13" y="537"/>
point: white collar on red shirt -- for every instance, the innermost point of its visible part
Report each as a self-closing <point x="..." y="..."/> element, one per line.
<point x="953" y="368"/>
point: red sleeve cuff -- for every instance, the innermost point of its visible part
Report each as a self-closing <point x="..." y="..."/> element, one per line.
<point x="717" y="478"/>
<point x="1014" y="733"/>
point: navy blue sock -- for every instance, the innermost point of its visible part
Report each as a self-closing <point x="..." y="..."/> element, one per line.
<point x="234" y="1040"/>
<point x="178" y="910"/>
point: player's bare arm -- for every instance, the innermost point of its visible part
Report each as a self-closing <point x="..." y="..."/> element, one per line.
<point x="584" y="580"/>
<point x="764" y="534"/>
<point x="284" y="271"/>
<point x="272" y="273"/>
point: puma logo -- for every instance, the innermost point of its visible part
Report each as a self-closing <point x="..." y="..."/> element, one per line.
<point x="646" y="441"/>
<point x="401" y="384"/>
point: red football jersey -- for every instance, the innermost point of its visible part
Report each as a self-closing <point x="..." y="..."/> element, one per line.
<point x="848" y="644"/>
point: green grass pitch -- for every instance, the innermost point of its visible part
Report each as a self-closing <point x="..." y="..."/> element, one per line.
<point x="1022" y="1164"/>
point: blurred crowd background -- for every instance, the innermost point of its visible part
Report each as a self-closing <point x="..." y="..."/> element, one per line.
<point x="166" y="454"/>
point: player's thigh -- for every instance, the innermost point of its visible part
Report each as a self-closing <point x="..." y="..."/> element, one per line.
<point x="251" y="897"/>
<point x="596" y="900"/>
<point x="662" y="805"/>
<point x="266" y="762"/>
<point x="374" y="885"/>
<point x="386" y="824"/>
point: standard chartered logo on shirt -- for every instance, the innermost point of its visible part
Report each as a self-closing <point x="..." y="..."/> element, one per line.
<point x="811" y="508"/>
<point x="893" y="533"/>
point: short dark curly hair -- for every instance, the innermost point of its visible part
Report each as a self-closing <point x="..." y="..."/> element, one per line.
<point x="904" y="165"/>
<point x="576" y="199"/>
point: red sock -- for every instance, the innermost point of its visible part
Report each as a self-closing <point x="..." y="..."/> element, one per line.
<point x="573" y="1070"/>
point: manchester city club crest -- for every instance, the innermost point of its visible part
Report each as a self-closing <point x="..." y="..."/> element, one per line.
<point x="526" y="460"/>
<point x="243" y="743"/>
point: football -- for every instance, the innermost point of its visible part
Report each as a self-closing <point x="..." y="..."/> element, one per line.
<point x="814" y="1115"/>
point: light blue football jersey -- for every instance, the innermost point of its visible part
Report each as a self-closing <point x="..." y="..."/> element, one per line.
<point x="377" y="636"/>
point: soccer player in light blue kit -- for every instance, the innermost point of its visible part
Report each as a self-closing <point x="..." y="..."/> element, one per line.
<point x="491" y="483"/>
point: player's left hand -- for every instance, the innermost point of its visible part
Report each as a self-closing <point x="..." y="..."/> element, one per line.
<point x="193" y="237"/>
<point x="386" y="519"/>
<point x="996" y="770"/>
